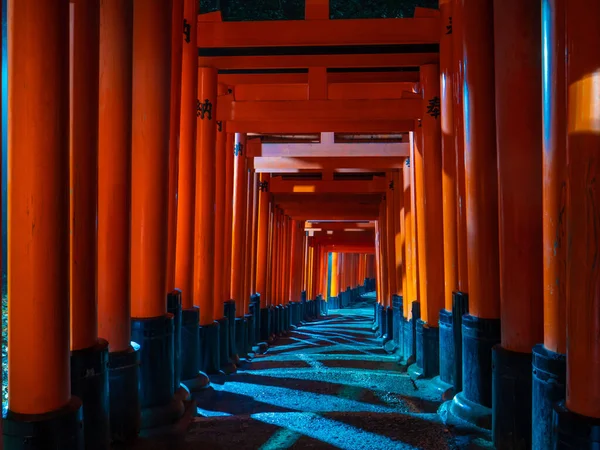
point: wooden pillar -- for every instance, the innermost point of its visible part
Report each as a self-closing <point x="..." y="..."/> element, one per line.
<point x="549" y="386"/>
<point x="415" y="141"/>
<point x="114" y="173"/>
<point x="254" y="232"/>
<point x="150" y="157"/>
<point x="583" y="294"/>
<point x="239" y="215"/>
<point x="86" y="349"/>
<point x="400" y="240"/>
<point x="176" y="71"/>
<point x="230" y="159"/>
<point x="449" y="186"/>
<point x="263" y="234"/>
<point x="390" y="212"/>
<point x="204" y="239"/>
<point x="517" y="42"/>
<point x="150" y="201"/>
<point x="219" y="294"/>
<point x="247" y="268"/>
<point x="114" y="201"/>
<point x="85" y="36"/>
<point x="383" y="250"/>
<point x="554" y="139"/>
<point x="481" y="329"/>
<point x="333" y="284"/>
<point x="186" y="195"/>
<point x="38" y="260"/>
<point x="431" y="232"/>
<point x="462" y="272"/>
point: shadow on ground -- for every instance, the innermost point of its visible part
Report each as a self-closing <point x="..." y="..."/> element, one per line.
<point x="326" y="385"/>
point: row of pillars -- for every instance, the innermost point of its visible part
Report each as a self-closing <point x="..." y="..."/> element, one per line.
<point x="350" y="275"/>
<point x="144" y="255"/>
<point x="489" y="263"/>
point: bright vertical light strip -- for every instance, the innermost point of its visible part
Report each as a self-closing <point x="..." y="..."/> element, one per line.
<point x="546" y="75"/>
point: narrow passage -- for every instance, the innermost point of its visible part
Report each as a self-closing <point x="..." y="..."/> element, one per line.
<point x="328" y="384"/>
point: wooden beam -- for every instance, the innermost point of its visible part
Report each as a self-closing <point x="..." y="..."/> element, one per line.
<point x="309" y="125"/>
<point x="271" y="92"/>
<point x="277" y="185"/>
<point x="234" y="78"/>
<point x="362" y="60"/>
<point x="294" y="33"/>
<point x="268" y="164"/>
<point x="316" y="91"/>
<point x="340" y="226"/>
<point x="328" y="148"/>
<point x="341" y="110"/>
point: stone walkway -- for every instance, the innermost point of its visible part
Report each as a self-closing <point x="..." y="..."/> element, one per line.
<point x="327" y="385"/>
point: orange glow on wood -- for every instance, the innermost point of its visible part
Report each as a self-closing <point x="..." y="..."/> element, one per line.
<point x="229" y="176"/>
<point x="480" y="160"/>
<point x="85" y="41"/>
<point x="449" y="186"/>
<point x="555" y="182"/>
<point x="342" y="110"/>
<point x="176" y="72"/>
<point x="309" y="125"/>
<point x="38" y="206"/>
<point x="263" y="234"/>
<point x="459" y="144"/>
<point x="114" y="173"/>
<point x="186" y="195"/>
<point x="150" y="157"/>
<point x="517" y="43"/>
<point x="220" y="186"/>
<point x="275" y="164"/>
<point x="583" y="286"/>
<point x="238" y="229"/>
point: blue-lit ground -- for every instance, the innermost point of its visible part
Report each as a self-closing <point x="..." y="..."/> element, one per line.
<point x="327" y="385"/>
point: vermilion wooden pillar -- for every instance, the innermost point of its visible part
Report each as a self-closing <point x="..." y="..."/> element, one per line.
<point x="85" y="37"/>
<point x="415" y="141"/>
<point x="579" y="422"/>
<point x="378" y="283"/>
<point x="391" y="240"/>
<point x="87" y="351"/>
<point x="549" y="359"/>
<point x="176" y="72"/>
<point x="186" y="196"/>
<point x="114" y="200"/>
<point x="431" y="232"/>
<point x="229" y="169"/>
<point x="38" y="254"/>
<point x="254" y="231"/>
<point x="410" y="294"/>
<point x="204" y="228"/>
<point x="449" y="186"/>
<point x="239" y="210"/>
<point x="149" y="210"/>
<point x="399" y="233"/>
<point x="481" y="329"/>
<point x="204" y="244"/>
<point x="174" y="295"/>
<point x="219" y="295"/>
<point x="248" y="239"/>
<point x="333" y="284"/>
<point x="263" y="234"/>
<point x="517" y="41"/>
<point x="449" y="340"/>
<point x="459" y="141"/>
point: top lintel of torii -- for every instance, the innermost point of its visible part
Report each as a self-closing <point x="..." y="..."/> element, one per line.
<point x="303" y="43"/>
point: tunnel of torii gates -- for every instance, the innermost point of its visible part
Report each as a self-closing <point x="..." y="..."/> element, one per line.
<point x="183" y="189"/>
